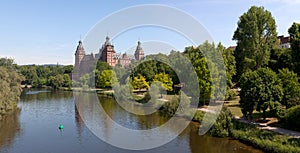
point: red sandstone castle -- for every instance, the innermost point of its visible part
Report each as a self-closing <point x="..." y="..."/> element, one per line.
<point x="84" y="63"/>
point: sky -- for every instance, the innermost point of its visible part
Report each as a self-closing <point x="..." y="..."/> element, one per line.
<point x="47" y="32"/>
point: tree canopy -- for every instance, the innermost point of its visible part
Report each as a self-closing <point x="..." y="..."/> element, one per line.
<point x="291" y="88"/>
<point x="107" y="79"/>
<point x="260" y="89"/>
<point x="139" y="82"/>
<point x="256" y="36"/>
<point x="165" y="81"/>
<point x="294" y="32"/>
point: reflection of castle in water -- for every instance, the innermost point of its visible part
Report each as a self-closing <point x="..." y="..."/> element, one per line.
<point x="84" y="62"/>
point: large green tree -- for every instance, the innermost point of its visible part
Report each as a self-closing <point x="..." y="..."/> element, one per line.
<point x="210" y="69"/>
<point x="60" y="80"/>
<point x="261" y="89"/>
<point x="294" y="32"/>
<point x="256" y="36"/>
<point x="107" y="79"/>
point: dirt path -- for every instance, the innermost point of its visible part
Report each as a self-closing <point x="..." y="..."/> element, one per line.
<point x="279" y="130"/>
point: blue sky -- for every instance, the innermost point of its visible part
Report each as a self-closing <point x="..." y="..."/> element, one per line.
<point x="42" y="32"/>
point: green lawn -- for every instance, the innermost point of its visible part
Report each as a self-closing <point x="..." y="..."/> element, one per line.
<point x="234" y="107"/>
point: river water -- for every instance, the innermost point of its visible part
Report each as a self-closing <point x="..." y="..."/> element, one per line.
<point x="34" y="129"/>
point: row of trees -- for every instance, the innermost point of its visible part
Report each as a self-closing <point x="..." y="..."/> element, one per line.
<point x="40" y="75"/>
<point x="266" y="73"/>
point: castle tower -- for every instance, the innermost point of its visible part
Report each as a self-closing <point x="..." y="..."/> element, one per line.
<point x="139" y="52"/>
<point x="108" y="53"/>
<point x="79" y="54"/>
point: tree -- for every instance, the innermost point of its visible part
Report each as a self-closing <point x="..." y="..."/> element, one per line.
<point x="67" y="81"/>
<point x="85" y="80"/>
<point x="291" y="88"/>
<point x="57" y="81"/>
<point x="107" y="79"/>
<point x="294" y="32"/>
<point x="68" y="69"/>
<point x="209" y="70"/>
<point x="10" y="82"/>
<point x="164" y="81"/>
<point x="29" y="71"/>
<point x="230" y="65"/>
<point x="148" y="69"/>
<point x="256" y="36"/>
<point x="280" y="58"/>
<point x="260" y="89"/>
<point x="139" y="82"/>
<point x="223" y="125"/>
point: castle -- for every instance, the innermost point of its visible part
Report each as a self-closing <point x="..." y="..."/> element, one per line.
<point x="84" y="62"/>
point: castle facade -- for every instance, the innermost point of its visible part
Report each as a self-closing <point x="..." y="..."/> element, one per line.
<point x="84" y="63"/>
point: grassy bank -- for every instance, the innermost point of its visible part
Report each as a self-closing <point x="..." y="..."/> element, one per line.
<point x="262" y="139"/>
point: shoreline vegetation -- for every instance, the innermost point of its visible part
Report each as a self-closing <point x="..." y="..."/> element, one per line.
<point x="10" y="82"/>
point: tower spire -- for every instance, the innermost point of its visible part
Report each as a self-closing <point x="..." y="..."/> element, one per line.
<point x="139" y="53"/>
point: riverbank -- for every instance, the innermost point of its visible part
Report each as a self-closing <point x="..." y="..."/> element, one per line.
<point x="268" y="141"/>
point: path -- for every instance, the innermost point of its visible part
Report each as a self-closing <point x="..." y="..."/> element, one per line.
<point x="279" y="130"/>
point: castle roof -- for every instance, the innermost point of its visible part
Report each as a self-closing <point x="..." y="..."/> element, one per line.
<point x="124" y="56"/>
<point x="107" y="42"/>
<point x="139" y="49"/>
<point x="80" y="48"/>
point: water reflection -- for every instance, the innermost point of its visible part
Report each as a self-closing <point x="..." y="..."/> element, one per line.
<point x="35" y="128"/>
<point x="42" y="95"/>
<point x="9" y="128"/>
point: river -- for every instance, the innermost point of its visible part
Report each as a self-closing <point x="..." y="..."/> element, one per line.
<point x="34" y="129"/>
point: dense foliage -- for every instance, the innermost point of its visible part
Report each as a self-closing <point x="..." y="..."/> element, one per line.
<point x="291" y="88"/>
<point x="275" y="88"/>
<point x="107" y="79"/>
<point x="292" y="118"/>
<point x="10" y="82"/>
<point x="294" y="32"/>
<point x="261" y="89"/>
<point x="223" y="125"/>
<point x="55" y="76"/>
<point x="255" y="35"/>
<point x="139" y="82"/>
<point x="179" y="105"/>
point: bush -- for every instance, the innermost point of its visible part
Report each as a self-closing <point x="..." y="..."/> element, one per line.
<point x="168" y="109"/>
<point x="292" y="118"/>
<point x="223" y="125"/>
<point x="182" y="103"/>
<point x="198" y="117"/>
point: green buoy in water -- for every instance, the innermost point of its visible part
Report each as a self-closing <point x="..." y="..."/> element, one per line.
<point x="60" y="127"/>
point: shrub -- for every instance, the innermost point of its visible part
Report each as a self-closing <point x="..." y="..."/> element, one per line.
<point x="182" y="103"/>
<point x="169" y="108"/>
<point x="198" y="117"/>
<point x="223" y="124"/>
<point x="292" y="117"/>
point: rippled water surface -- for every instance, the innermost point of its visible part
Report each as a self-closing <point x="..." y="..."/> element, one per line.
<point x="34" y="129"/>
